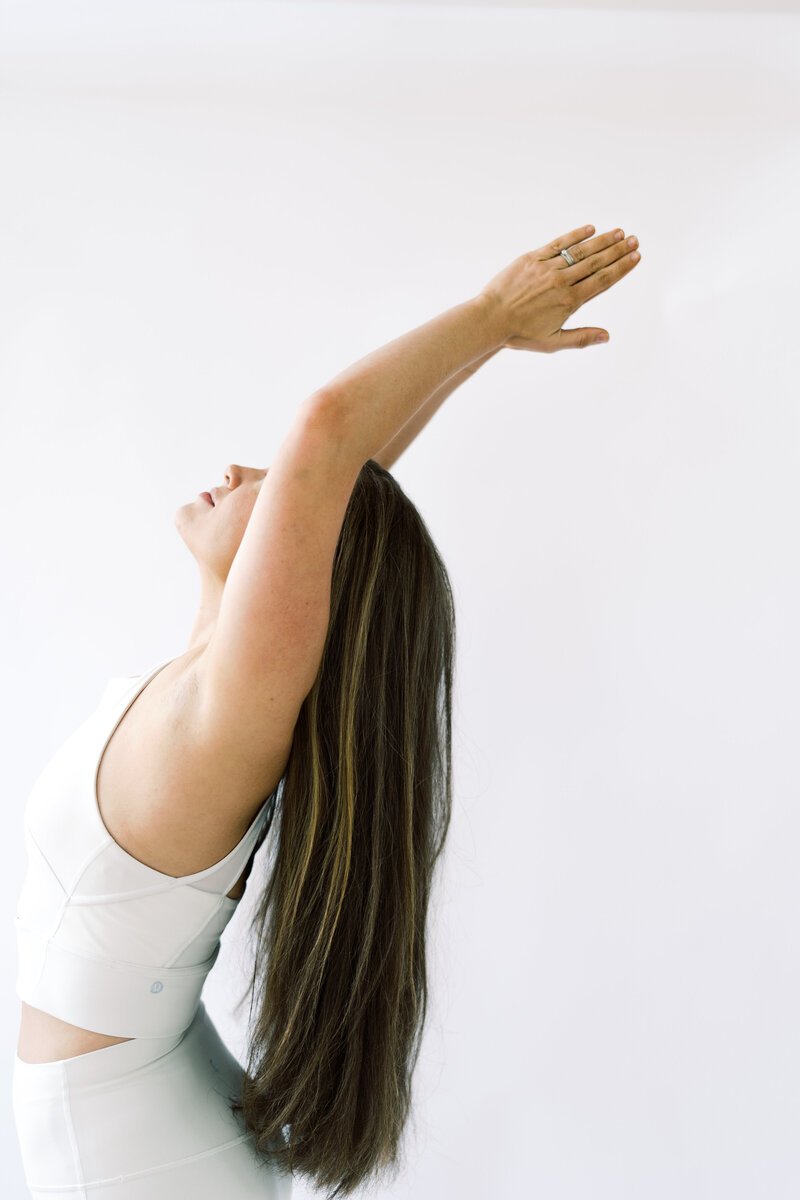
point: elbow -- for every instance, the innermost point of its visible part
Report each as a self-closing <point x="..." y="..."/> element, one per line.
<point x="330" y="421"/>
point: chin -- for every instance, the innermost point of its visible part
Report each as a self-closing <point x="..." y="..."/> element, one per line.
<point x="182" y="520"/>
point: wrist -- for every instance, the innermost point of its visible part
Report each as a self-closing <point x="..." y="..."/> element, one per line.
<point x="493" y="313"/>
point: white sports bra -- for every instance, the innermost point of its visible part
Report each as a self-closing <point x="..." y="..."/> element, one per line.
<point x="105" y="942"/>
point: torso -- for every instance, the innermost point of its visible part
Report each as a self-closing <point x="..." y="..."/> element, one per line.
<point x="169" y="807"/>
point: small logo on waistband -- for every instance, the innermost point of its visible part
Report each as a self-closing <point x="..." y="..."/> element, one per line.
<point x="157" y="986"/>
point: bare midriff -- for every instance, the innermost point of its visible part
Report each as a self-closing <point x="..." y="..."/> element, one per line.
<point x="44" y="1038"/>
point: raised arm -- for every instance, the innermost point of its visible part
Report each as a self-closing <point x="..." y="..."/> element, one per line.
<point x="371" y="401"/>
<point x="390" y="453"/>
<point x="264" y="653"/>
<point x="523" y="307"/>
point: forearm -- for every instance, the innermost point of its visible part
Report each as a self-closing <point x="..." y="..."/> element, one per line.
<point x="371" y="401"/>
<point x="390" y="453"/>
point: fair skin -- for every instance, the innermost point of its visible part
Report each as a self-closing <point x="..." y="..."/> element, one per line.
<point x="214" y="547"/>
<point x="213" y="535"/>
<point x="213" y="539"/>
<point x="371" y="410"/>
<point x="261" y="628"/>
<point x="188" y="767"/>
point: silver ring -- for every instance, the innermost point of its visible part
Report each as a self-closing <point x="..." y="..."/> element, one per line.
<point x="566" y="254"/>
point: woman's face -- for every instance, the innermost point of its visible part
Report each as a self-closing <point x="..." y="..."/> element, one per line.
<point x="213" y="530"/>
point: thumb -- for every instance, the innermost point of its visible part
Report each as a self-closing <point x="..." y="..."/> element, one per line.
<point x="576" y="339"/>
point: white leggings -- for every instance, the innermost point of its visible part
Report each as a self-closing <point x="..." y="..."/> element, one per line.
<point x="147" y="1119"/>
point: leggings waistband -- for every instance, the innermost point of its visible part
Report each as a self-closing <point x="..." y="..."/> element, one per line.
<point x="99" y="1066"/>
<point x="138" y="1119"/>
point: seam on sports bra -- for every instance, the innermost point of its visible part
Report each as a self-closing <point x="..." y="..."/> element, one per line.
<point x="46" y="861"/>
<point x="192" y="937"/>
<point x="169" y="883"/>
<point x="145" y="970"/>
<point x="137" y="894"/>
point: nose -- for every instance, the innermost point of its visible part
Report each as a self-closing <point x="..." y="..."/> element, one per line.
<point x="235" y="474"/>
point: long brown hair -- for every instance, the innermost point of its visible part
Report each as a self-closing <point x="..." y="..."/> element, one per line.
<point x="339" y="985"/>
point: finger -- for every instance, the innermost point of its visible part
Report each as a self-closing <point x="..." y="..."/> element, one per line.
<point x="603" y="257"/>
<point x="576" y="339"/>
<point x="588" y="249"/>
<point x="605" y="277"/>
<point x="564" y="242"/>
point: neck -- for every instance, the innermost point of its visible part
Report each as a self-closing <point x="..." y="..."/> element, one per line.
<point x="205" y="622"/>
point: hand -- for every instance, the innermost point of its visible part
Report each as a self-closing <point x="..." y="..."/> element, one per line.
<point x="540" y="290"/>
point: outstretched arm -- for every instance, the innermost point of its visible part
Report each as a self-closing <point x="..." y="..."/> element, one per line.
<point x="264" y="653"/>
<point x="524" y="307"/>
<point x="390" y="453"/>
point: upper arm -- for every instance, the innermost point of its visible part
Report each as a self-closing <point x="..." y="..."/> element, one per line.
<point x="264" y="653"/>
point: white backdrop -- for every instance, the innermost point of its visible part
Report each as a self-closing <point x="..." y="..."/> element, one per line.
<point x="208" y="211"/>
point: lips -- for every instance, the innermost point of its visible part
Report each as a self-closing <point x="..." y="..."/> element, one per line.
<point x="207" y="497"/>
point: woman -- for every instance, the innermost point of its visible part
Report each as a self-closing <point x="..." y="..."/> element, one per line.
<point x="318" y="672"/>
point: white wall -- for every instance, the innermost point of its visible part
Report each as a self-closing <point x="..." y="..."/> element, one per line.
<point x="210" y="210"/>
